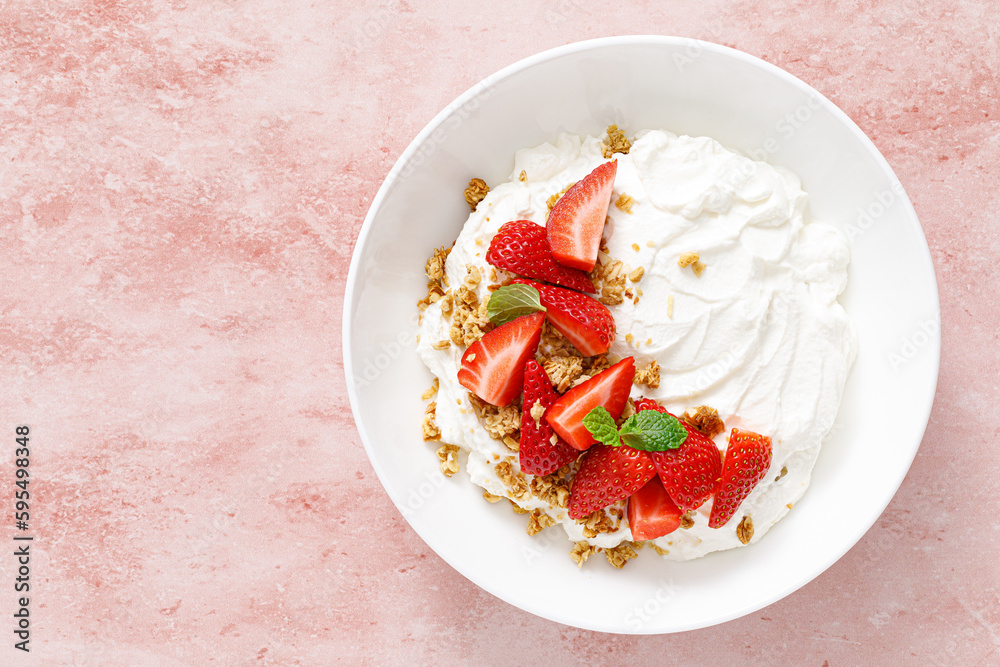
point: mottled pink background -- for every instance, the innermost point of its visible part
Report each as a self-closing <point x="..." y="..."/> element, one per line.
<point x="182" y="184"/>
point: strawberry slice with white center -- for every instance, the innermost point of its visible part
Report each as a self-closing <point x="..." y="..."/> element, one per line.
<point x="585" y="321"/>
<point x="493" y="367"/>
<point x="538" y="454"/>
<point x="576" y="222"/>
<point x="608" y="389"/>
<point x="651" y="512"/>
<point x="521" y="247"/>
<point x="607" y="475"/>
<point x="748" y="458"/>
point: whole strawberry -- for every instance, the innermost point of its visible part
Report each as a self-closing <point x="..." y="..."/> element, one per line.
<point x="748" y="458"/>
<point x="521" y="247"/>
<point x="538" y="454"/>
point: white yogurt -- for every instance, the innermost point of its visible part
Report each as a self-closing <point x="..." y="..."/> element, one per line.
<point x="759" y="335"/>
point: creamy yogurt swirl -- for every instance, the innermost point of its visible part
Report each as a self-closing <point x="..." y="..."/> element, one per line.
<point x="759" y="336"/>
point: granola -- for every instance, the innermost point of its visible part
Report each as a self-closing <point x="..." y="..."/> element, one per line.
<point x="648" y="376"/>
<point x="617" y="142"/>
<point x="539" y="521"/>
<point x="581" y="552"/>
<point x="705" y="419"/>
<point x="620" y="554"/>
<point x="448" y="455"/>
<point x="744" y="531"/>
<point x="476" y="192"/>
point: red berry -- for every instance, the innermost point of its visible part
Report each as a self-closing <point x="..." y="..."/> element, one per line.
<point x="538" y="454"/>
<point x="521" y="247"/>
<point x="690" y="472"/>
<point x="607" y="475"/>
<point x="585" y="321"/>
<point x="748" y="458"/>
<point x="651" y="512"/>
<point x="609" y="388"/>
<point x="576" y="222"/>
<point x="493" y="367"/>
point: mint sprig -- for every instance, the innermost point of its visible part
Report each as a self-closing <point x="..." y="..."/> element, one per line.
<point x="512" y="301"/>
<point x="602" y="426"/>
<point x="648" y="430"/>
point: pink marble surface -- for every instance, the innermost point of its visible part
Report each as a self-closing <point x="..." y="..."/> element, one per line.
<point x="181" y="186"/>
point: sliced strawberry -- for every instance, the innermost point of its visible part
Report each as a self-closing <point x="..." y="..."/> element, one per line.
<point x="537" y="453"/>
<point x="648" y="404"/>
<point x="521" y="247"/>
<point x="493" y="367"/>
<point x="651" y="512"/>
<point x="576" y="222"/>
<point x="607" y="475"/>
<point x="609" y="388"/>
<point x="691" y="471"/>
<point x="747" y="459"/>
<point x="585" y="321"/>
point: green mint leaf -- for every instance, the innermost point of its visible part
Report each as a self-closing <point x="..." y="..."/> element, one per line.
<point x="511" y="302"/>
<point x="653" y="431"/>
<point x="602" y="426"/>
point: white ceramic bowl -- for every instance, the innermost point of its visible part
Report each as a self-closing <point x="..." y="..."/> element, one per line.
<point x="687" y="87"/>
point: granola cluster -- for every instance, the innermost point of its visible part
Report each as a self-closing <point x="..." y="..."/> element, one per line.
<point x="503" y="424"/>
<point x="448" y="455"/>
<point x="705" y="419"/>
<point x="553" y="489"/>
<point x="513" y="479"/>
<point x="617" y="142"/>
<point x="621" y="554"/>
<point x="744" y="531"/>
<point x="648" y="376"/>
<point x="539" y="521"/>
<point x="691" y="259"/>
<point x="437" y="280"/>
<point x="624" y="203"/>
<point x="476" y="192"/>
<point x="606" y="520"/>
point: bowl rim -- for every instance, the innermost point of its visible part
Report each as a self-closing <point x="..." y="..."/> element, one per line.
<point x="922" y="411"/>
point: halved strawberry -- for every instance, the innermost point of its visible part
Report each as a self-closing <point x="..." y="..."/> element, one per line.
<point x="690" y="472"/>
<point x="521" y="247"/>
<point x="576" y="222"/>
<point x="607" y="475"/>
<point x="651" y="512"/>
<point x="585" y="321"/>
<point x="538" y="454"/>
<point x="609" y="388"/>
<point x="747" y="459"/>
<point x="493" y="367"/>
